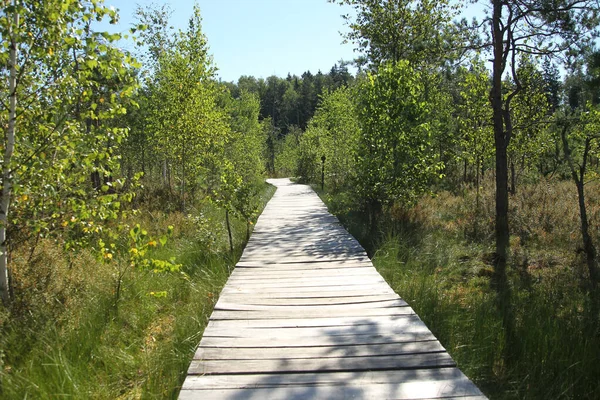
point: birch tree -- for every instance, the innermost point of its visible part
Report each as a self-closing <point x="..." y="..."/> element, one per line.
<point x="64" y="86"/>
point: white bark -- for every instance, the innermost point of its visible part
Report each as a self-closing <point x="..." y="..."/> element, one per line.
<point x="6" y="166"/>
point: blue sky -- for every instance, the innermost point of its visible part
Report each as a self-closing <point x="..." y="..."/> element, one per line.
<point x="261" y="37"/>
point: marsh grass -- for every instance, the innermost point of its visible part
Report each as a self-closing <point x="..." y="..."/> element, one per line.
<point x="66" y="339"/>
<point x="437" y="256"/>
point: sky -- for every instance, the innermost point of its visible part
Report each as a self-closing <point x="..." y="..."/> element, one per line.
<point x="260" y="37"/>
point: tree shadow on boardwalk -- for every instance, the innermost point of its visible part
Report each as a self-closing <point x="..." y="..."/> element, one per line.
<point x="350" y="364"/>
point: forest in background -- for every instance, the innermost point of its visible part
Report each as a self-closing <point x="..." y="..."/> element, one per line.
<point x="463" y="155"/>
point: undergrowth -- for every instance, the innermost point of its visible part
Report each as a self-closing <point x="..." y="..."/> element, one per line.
<point x="438" y="257"/>
<point x="68" y="336"/>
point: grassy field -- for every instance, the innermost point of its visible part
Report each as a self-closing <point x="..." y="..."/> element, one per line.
<point x="69" y="336"/>
<point x="438" y="257"/>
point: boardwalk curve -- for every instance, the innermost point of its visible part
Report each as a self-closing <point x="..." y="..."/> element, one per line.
<point x="305" y="315"/>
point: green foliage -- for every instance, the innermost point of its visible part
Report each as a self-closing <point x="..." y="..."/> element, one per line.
<point x="530" y="117"/>
<point x="333" y="132"/>
<point x="390" y="31"/>
<point x="287" y="154"/>
<point x="182" y="125"/>
<point x="244" y="163"/>
<point x="395" y="160"/>
<point x="63" y="120"/>
<point x="310" y="151"/>
<point x="69" y="127"/>
<point x="337" y="120"/>
<point x="474" y="117"/>
<point x="141" y="243"/>
<point x="292" y="101"/>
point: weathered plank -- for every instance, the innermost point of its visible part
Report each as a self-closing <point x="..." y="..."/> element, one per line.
<point x="311" y="291"/>
<point x="403" y="317"/>
<point x="362" y="278"/>
<point x="247" y="303"/>
<point x="332" y="351"/>
<point x="412" y="384"/>
<point x="290" y="305"/>
<point x="325" y="378"/>
<point x="305" y="315"/>
<point x="309" y="314"/>
<point x="308" y="258"/>
<point x="290" y="266"/>
<point x="315" y="340"/>
<point x="241" y="273"/>
<point x="400" y="391"/>
<point x="286" y="365"/>
<point x="327" y="332"/>
<point x="310" y="283"/>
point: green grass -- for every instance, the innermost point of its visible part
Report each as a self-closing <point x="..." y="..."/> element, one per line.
<point x="432" y="259"/>
<point x="66" y="339"/>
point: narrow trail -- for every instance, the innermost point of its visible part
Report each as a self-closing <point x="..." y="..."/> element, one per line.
<point x="305" y="315"/>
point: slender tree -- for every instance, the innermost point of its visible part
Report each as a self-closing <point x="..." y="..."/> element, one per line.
<point x="534" y="27"/>
<point x="65" y="85"/>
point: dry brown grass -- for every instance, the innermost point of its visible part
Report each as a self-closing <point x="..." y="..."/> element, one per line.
<point x="438" y="256"/>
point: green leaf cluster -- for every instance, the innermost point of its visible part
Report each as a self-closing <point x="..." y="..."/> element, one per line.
<point x="74" y="87"/>
<point x="395" y="160"/>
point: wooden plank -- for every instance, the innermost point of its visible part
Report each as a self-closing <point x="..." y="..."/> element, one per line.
<point x="285" y="238"/>
<point x="312" y="313"/>
<point x="305" y="274"/>
<point x="311" y="341"/>
<point x="286" y="259"/>
<point x="321" y="335"/>
<point x="351" y="303"/>
<point x="311" y="283"/>
<point x="395" y="318"/>
<point x="308" y="291"/>
<point x="247" y="302"/>
<point x="291" y="267"/>
<point x="331" y="280"/>
<point x="333" y="351"/>
<point x="328" y="333"/>
<point x="413" y="384"/>
<point x="400" y="391"/>
<point x="282" y="263"/>
<point x="370" y="288"/>
<point x="284" y="365"/>
<point x="316" y="240"/>
<point x="250" y="278"/>
<point x="337" y="236"/>
<point x="302" y="247"/>
<point x="322" y="378"/>
<point x="252" y="273"/>
<point x="322" y="250"/>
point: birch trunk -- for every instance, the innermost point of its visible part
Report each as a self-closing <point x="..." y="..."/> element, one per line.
<point x="6" y="166"/>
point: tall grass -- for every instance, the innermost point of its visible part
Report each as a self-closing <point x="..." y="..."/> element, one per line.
<point x="438" y="257"/>
<point x="66" y="339"/>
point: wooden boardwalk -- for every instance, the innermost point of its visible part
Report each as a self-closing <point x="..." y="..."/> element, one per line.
<point x="305" y="315"/>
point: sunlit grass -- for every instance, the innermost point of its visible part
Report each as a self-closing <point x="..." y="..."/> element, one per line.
<point x="68" y="340"/>
<point x="437" y="256"/>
